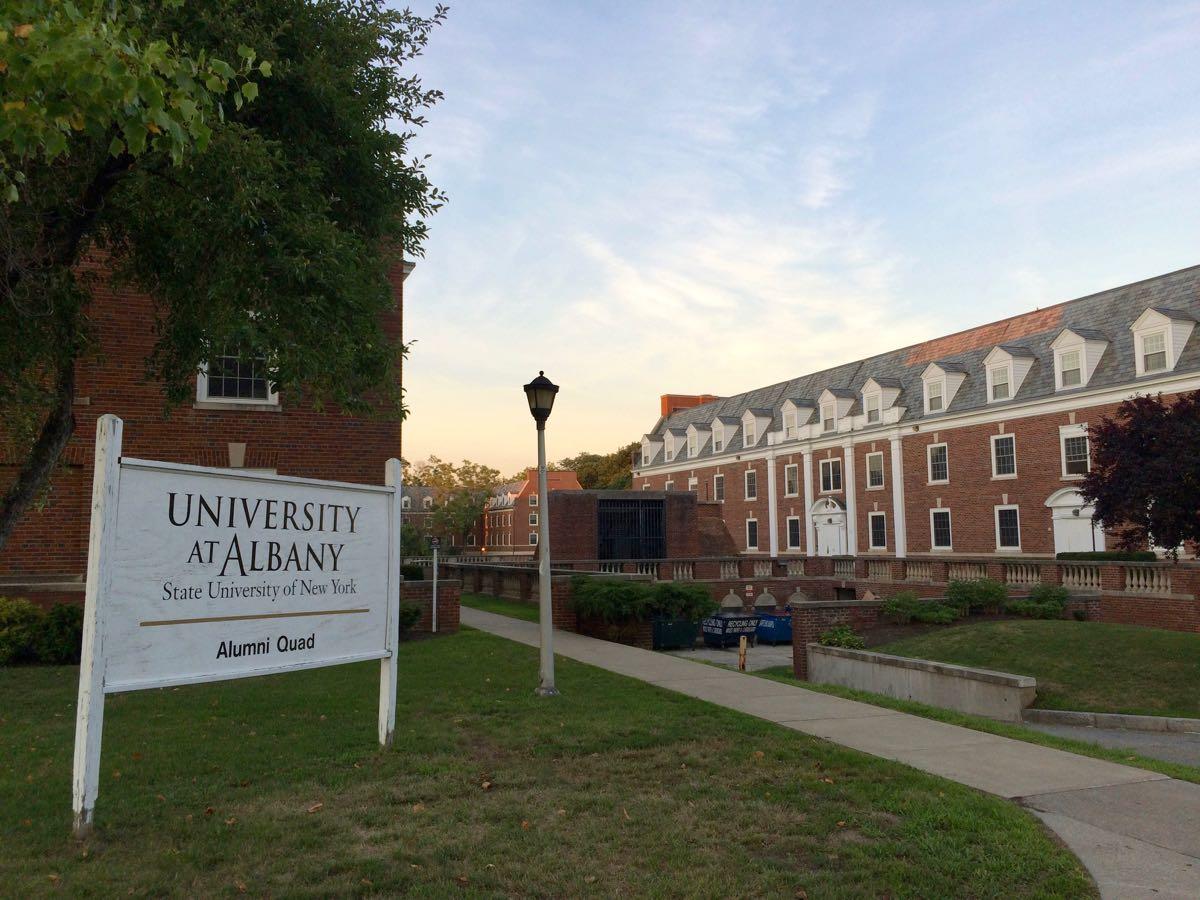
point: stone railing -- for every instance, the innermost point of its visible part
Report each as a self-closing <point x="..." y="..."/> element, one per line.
<point x="682" y="571"/>
<point x="729" y="569"/>
<point x="1022" y="574"/>
<point x="879" y="570"/>
<point x="843" y="568"/>
<point x="1147" y="579"/>
<point x="648" y="568"/>
<point x="1081" y="576"/>
<point x="762" y="568"/>
<point x="966" y="571"/>
<point x="795" y="568"/>
<point x="918" y="570"/>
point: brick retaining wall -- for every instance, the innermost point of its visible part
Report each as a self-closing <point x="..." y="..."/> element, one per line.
<point x="420" y="593"/>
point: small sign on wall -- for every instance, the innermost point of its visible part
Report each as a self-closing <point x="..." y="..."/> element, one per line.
<point x="199" y="574"/>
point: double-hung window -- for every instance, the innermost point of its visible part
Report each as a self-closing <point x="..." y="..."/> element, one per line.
<point x="1004" y="456"/>
<point x="236" y="377"/>
<point x="718" y="439"/>
<point x="718" y="487"/>
<point x="829" y="417"/>
<point x="1075" y="456"/>
<point x="873" y="405"/>
<point x="1000" y="383"/>
<point x="533" y="538"/>
<point x="691" y="445"/>
<point x="1008" y="528"/>
<point x="831" y="475"/>
<point x="533" y="520"/>
<point x="935" y="396"/>
<point x="939" y="527"/>
<point x="748" y="433"/>
<point x="751" y="534"/>
<point x="939" y="463"/>
<point x="791" y="480"/>
<point x="878" y="530"/>
<point x="1154" y="352"/>
<point x="874" y="470"/>
<point x="1070" y="370"/>
<point x="789" y="425"/>
<point x="533" y="499"/>
<point x="751" y="484"/>
<point x="793" y="532"/>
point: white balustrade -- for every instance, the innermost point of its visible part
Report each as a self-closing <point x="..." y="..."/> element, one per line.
<point x="682" y="571"/>
<point x="879" y="570"/>
<point x="1080" y="577"/>
<point x="762" y="568"/>
<point x="795" y="567"/>
<point x="729" y="570"/>
<point x="1147" y="580"/>
<point x="1022" y="574"/>
<point x="967" y="571"/>
<point x="916" y="570"/>
<point x="843" y="568"/>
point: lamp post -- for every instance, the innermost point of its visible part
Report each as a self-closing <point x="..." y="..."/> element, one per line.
<point x="540" y="394"/>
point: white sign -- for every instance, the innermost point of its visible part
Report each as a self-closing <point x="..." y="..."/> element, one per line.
<point x="201" y="574"/>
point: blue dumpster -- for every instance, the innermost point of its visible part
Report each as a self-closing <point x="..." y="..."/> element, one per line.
<point x="775" y="628"/>
<point x="724" y="629"/>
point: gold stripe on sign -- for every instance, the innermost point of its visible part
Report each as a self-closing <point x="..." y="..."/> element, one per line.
<point x="290" y="615"/>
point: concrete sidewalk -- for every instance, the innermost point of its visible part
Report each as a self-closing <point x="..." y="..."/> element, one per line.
<point x="1136" y="831"/>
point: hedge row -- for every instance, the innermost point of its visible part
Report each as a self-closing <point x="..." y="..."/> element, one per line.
<point x="618" y="600"/>
<point x="1109" y="555"/>
<point x="30" y="634"/>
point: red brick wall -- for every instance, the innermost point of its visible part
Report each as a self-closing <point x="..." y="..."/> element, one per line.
<point x="295" y="439"/>
<point x="420" y="593"/>
<point x="789" y="506"/>
<point x="868" y="500"/>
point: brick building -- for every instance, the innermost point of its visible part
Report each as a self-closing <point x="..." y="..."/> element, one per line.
<point x="509" y="525"/>
<point x="968" y="444"/>
<point x="235" y="421"/>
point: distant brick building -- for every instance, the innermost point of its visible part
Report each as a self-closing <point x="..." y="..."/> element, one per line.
<point x="235" y="421"/>
<point x="968" y="444"/>
<point x="509" y="524"/>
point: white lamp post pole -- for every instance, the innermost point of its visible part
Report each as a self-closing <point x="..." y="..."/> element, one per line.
<point x="546" y="686"/>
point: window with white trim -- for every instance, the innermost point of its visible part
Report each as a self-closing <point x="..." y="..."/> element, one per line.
<point x="1004" y="456"/>
<point x="669" y="486"/>
<point x="692" y="483"/>
<point x="718" y="487"/>
<point x="789" y="425"/>
<point x="533" y="538"/>
<point x="691" y="444"/>
<point x="939" y="529"/>
<point x="427" y="503"/>
<point x="1154" y="351"/>
<point x="1070" y="368"/>
<point x="748" y="433"/>
<point x="230" y="377"/>
<point x="831" y="475"/>
<point x="793" y="532"/>
<point x="791" y="480"/>
<point x="751" y="485"/>
<point x="874" y="471"/>
<point x="645" y="458"/>
<point x="752" y="534"/>
<point x="828" y="416"/>
<point x="718" y="439"/>
<point x="877" y="529"/>
<point x="1008" y="528"/>
<point x="533" y="520"/>
<point x="935" y="392"/>
<point x="1076" y="454"/>
<point x="533" y="499"/>
<point x="939" y="463"/>
<point x="873" y="406"/>
<point x="1000" y="378"/>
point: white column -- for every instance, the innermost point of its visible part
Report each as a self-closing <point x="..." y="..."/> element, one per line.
<point x="545" y="686"/>
<point x="899" y="525"/>
<point x="851" y="501"/>
<point x="388" y="666"/>
<point x="772" y="506"/>
<point x="810" y="539"/>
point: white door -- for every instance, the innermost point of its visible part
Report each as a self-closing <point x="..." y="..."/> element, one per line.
<point x="1074" y="530"/>
<point x="831" y="533"/>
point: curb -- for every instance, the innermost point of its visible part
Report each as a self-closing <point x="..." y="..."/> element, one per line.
<point x="1111" y="720"/>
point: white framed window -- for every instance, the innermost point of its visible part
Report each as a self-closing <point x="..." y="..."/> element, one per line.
<point x="877" y="530"/>
<point x="1004" y="456"/>
<point x="831" y="475"/>
<point x="691" y="444"/>
<point x="751" y="485"/>
<point x="828" y="417"/>
<point x="874" y="471"/>
<point x="427" y="503"/>
<point x="752" y="534"/>
<point x="941" y="537"/>
<point x="230" y="378"/>
<point x="406" y="502"/>
<point x="791" y="480"/>
<point x="1008" y="527"/>
<point x="470" y="540"/>
<point x="935" y="393"/>
<point x="533" y="538"/>
<point x="789" y="425"/>
<point x="793" y="532"/>
<point x="718" y="439"/>
<point x="1154" y="351"/>
<point x="533" y="520"/>
<point x="645" y="458"/>
<point x="999" y="382"/>
<point x="748" y="431"/>
<point x="1076" y="453"/>
<point x="533" y="499"/>
<point x="692" y="483"/>
<point x="873" y="406"/>
<point x="1070" y="368"/>
<point x="668" y="452"/>
<point x="646" y="486"/>
<point x="669" y="486"/>
<point x="719" y="487"/>
<point x="938" y="456"/>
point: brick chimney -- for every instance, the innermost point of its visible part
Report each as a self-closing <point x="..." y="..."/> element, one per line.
<point x="672" y="403"/>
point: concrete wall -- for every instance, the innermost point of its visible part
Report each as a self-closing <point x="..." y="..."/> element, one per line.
<point x="981" y="692"/>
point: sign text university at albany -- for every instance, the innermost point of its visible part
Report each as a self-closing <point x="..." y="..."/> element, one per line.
<point x="206" y="574"/>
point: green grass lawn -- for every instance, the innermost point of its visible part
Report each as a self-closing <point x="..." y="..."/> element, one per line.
<point x="1091" y="666"/>
<point x="514" y="608"/>
<point x="274" y="786"/>
<point x="991" y="726"/>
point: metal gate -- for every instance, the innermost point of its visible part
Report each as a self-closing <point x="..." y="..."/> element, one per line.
<point x="630" y="529"/>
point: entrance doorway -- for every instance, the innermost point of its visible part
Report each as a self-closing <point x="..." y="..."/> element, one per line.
<point x="829" y="522"/>
<point x="1074" y="529"/>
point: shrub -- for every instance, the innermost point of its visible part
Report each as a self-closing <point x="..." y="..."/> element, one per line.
<point x="1080" y="615"/>
<point x="412" y="572"/>
<point x="1110" y="555"/>
<point x="901" y="607"/>
<point x="673" y="600"/>
<point x="1033" y="610"/>
<point x="20" y="624"/>
<point x="842" y="636"/>
<point x="59" y="639"/>
<point x="410" y="615"/>
<point x="609" y="599"/>
<point x="980" y="595"/>
<point x="935" y="614"/>
<point x="1049" y="593"/>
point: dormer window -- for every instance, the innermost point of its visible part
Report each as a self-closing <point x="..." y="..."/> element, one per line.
<point x="789" y="425"/>
<point x="1077" y="352"/>
<point x="828" y="417"/>
<point x="873" y="407"/>
<point x="934" y="396"/>
<point x="999" y="378"/>
<point x="796" y="413"/>
<point x="645" y="458"/>
<point x="427" y="503"/>
<point x="1070" y="369"/>
<point x="406" y="502"/>
<point x="1160" y="335"/>
<point x="691" y="444"/>
<point x="718" y="439"/>
<point x="941" y="381"/>
<point x="748" y="434"/>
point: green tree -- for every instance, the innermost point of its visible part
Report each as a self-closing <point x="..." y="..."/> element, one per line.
<point x="611" y="471"/>
<point x="264" y="226"/>
<point x="462" y="491"/>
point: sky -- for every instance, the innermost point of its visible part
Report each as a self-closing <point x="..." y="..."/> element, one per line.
<point x="650" y="198"/>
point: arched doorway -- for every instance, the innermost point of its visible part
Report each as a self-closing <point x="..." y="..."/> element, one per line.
<point x="1071" y="517"/>
<point x="829" y="522"/>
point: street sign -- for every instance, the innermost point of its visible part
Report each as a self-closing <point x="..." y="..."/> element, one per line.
<point x="434" y="543"/>
<point x="198" y="574"/>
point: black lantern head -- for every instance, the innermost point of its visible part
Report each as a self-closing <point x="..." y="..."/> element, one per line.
<point x="540" y="393"/>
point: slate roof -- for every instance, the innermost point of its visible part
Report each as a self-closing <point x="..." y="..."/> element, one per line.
<point x="1107" y="316"/>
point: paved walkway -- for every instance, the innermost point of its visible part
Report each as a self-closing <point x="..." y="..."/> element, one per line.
<point x="1171" y="746"/>
<point x="1136" y="831"/>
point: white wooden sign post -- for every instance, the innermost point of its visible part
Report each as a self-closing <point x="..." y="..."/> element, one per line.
<point x="199" y="574"/>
